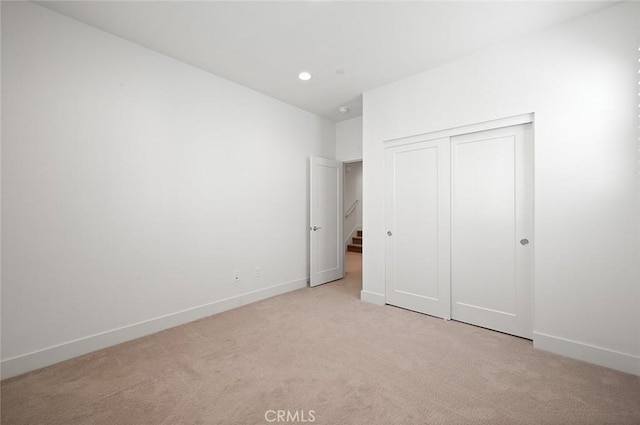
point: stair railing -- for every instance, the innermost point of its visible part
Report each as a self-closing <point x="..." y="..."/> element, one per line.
<point x="351" y="208"/>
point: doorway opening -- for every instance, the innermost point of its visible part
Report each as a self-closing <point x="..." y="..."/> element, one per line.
<point x="353" y="206"/>
<point x="352" y="228"/>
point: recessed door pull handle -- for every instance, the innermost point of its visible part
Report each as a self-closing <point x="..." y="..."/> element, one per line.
<point x="524" y="242"/>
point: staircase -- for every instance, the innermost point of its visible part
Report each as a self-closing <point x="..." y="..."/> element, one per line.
<point x="356" y="246"/>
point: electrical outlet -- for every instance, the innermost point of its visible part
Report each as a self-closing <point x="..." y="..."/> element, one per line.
<point x="237" y="276"/>
<point x="258" y="272"/>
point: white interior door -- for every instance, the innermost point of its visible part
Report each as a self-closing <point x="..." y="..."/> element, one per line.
<point x="418" y="227"/>
<point x="326" y="245"/>
<point x="492" y="223"/>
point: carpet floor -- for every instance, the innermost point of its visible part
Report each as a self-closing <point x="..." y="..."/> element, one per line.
<point x="321" y="355"/>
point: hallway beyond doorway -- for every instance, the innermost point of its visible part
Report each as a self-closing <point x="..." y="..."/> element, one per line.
<point x="352" y="281"/>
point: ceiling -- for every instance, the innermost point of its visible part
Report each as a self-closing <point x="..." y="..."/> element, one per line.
<point x="264" y="45"/>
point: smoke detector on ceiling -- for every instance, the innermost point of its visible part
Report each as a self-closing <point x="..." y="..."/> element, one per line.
<point x="343" y="110"/>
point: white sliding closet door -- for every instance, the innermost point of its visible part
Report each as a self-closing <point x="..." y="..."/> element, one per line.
<point x="491" y="226"/>
<point x="418" y="227"/>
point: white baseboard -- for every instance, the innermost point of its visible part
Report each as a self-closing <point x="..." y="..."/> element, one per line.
<point x="38" y="359"/>
<point x="589" y="353"/>
<point x="372" y="297"/>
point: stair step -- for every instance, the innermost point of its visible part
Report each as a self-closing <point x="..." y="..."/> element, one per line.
<point x="359" y="233"/>
<point x="357" y="240"/>
<point x="354" y="247"/>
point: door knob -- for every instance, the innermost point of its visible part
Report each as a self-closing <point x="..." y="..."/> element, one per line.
<point x="389" y="233"/>
<point x="524" y="242"/>
<point x="314" y="228"/>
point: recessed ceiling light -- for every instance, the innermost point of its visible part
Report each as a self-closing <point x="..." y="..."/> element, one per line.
<point x="343" y="110"/>
<point x="304" y="76"/>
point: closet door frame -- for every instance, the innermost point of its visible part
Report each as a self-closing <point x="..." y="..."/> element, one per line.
<point x="458" y="131"/>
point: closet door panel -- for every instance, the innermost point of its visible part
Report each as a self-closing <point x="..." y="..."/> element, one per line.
<point x="417" y="211"/>
<point x="491" y="214"/>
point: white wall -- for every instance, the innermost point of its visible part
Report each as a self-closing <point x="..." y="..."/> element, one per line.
<point x="352" y="192"/>
<point x="134" y="186"/>
<point x="349" y="140"/>
<point x="580" y="80"/>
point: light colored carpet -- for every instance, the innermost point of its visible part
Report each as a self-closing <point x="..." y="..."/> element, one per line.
<point x="321" y="349"/>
